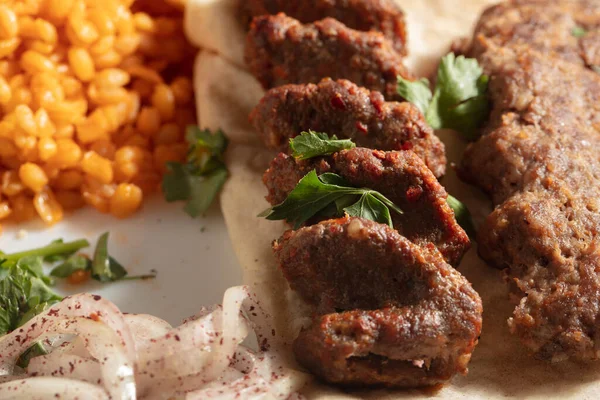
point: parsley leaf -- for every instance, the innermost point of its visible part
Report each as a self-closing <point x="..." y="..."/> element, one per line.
<point x="459" y="100"/>
<point x="329" y="194"/>
<point x="578" y="31"/>
<point x="203" y="191"/>
<point x="22" y="296"/>
<point x="313" y="144"/>
<point x="463" y="216"/>
<point x="416" y="92"/>
<point x="35" y="350"/>
<point x="106" y="269"/>
<point x="74" y="263"/>
<point x="370" y="207"/>
<point x="200" y="179"/>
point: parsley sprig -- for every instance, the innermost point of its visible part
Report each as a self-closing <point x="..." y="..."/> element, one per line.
<point x="199" y="180"/>
<point x="330" y="195"/>
<point x="25" y="290"/>
<point x="314" y="144"/>
<point x="463" y="216"/>
<point x="459" y="100"/>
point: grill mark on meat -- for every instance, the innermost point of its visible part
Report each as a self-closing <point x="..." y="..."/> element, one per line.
<point x="394" y="174"/>
<point x="342" y="108"/>
<point x="281" y="50"/>
<point x="539" y="161"/>
<point x="364" y="15"/>
<point x="408" y="318"/>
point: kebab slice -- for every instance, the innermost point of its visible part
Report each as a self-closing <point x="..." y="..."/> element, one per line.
<point x="388" y="312"/>
<point x="401" y="176"/>
<point x="281" y="50"/>
<point x="384" y="16"/>
<point x="343" y="109"/>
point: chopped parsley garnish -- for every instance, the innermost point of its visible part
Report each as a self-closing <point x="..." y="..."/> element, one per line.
<point x="105" y="268"/>
<point x="459" y="100"/>
<point x="329" y="194"/>
<point x="578" y="31"/>
<point x="23" y="294"/>
<point x="314" y="144"/>
<point x="25" y="290"/>
<point x="463" y="216"/>
<point x="199" y="180"/>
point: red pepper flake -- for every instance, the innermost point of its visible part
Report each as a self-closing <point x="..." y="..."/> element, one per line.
<point x="414" y="193"/>
<point x="362" y="127"/>
<point x="407" y="146"/>
<point x="94" y="317"/>
<point x="338" y="102"/>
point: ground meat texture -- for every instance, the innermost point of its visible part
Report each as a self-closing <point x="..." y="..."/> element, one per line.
<point x="538" y="159"/>
<point x="547" y="26"/>
<point x="401" y="176"/>
<point x="364" y="15"/>
<point x="343" y="109"/>
<point x="387" y="311"/>
<point x="281" y="50"/>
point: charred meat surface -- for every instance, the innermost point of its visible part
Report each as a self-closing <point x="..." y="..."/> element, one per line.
<point x="401" y="176"/>
<point x="566" y="29"/>
<point x="281" y="50"/>
<point x="539" y="161"/>
<point x="364" y="15"/>
<point x="389" y="312"/>
<point x="343" y="109"/>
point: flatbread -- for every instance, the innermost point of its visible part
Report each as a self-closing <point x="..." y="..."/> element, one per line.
<point x="226" y="94"/>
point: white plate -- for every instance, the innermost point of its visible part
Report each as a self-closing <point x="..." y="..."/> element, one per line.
<point x="194" y="257"/>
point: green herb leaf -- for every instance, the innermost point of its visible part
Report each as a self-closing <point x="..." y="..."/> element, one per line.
<point x="101" y="263"/>
<point x="204" y="190"/>
<point x="53" y="249"/>
<point x="215" y="143"/>
<point x="35" y="350"/>
<point x="57" y="257"/>
<point x="370" y="207"/>
<point x="578" y="31"/>
<point x="463" y="216"/>
<point x="74" y="263"/>
<point x="175" y="184"/>
<point x="200" y="179"/>
<point x="314" y="144"/>
<point x="315" y="195"/>
<point x="22" y="296"/>
<point x="459" y="101"/>
<point x="104" y="267"/>
<point x="415" y="92"/>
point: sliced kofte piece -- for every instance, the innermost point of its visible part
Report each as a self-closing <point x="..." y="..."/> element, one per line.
<point x="363" y="15"/>
<point x="343" y="109"/>
<point x="405" y="317"/>
<point x="401" y="176"/>
<point x="281" y="50"/>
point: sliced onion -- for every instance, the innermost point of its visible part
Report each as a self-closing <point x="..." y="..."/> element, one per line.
<point x="102" y="342"/>
<point x="144" y="327"/>
<point x="120" y="356"/>
<point x="66" y="366"/>
<point x="50" y="388"/>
